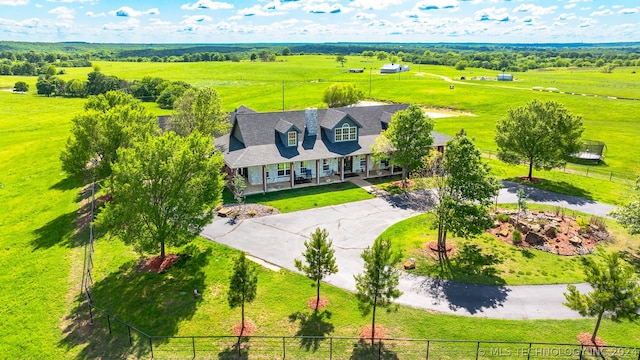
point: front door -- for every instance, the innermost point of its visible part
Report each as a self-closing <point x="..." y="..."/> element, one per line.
<point x="348" y="164"/>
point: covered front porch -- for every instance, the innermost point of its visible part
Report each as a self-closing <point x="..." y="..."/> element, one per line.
<point x="299" y="174"/>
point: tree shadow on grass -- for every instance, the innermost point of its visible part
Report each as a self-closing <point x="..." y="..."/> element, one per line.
<point x="472" y="262"/>
<point x="58" y="231"/>
<point x="364" y="350"/>
<point x="155" y="303"/>
<point x="68" y="183"/>
<point x="527" y="254"/>
<point x="314" y="326"/>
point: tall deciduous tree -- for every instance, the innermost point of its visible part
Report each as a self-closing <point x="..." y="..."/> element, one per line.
<point x="319" y="258"/>
<point x="341" y="59"/>
<point x="377" y="286"/>
<point x="615" y="291"/>
<point x="243" y="286"/>
<point x="164" y="191"/>
<point x="407" y="140"/>
<point x="463" y="190"/>
<point x="338" y="95"/>
<point x="109" y="122"/>
<point x="629" y="214"/>
<point x="542" y="134"/>
<point x="199" y="109"/>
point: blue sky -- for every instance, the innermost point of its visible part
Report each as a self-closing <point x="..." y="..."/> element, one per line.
<point x="219" y="21"/>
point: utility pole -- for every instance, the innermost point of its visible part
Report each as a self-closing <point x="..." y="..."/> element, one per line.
<point x="282" y="95"/>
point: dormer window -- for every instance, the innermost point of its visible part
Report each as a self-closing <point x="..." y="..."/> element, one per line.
<point x="346" y="133"/>
<point x="292" y="138"/>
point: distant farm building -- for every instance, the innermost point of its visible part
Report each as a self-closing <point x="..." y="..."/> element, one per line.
<point x="354" y="70"/>
<point x="393" y="68"/>
<point x="505" y="77"/>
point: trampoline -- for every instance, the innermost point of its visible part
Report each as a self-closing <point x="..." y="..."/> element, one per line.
<point x="592" y="150"/>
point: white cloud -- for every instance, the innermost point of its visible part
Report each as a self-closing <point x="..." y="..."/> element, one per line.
<point x="364" y="16"/>
<point x="374" y="4"/>
<point x="126" y="11"/>
<point x="492" y="14"/>
<point x="63" y="13"/>
<point x="325" y="8"/>
<point x="278" y="5"/>
<point x="92" y="14"/>
<point x="535" y="10"/>
<point x="438" y="4"/>
<point x="14" y="2"/>
<point x="629" y="11"/>
<point x="257" y="10"/>
<point x="207" y="4"/>
<point x="74" y="1"/>
<point x="602" y="12"/>
<point x="565" y="17"/>
<point x="569" y="6"/>
<point x="126" y="25"/>
<point x="195" y="19"/>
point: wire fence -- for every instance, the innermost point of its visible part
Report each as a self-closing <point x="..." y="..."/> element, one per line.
<point x="142" y="345"/>
<point x="592" y="171"/>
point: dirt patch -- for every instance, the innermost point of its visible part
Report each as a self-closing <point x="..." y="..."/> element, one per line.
<point x="525" y="179"/>
<point x="247" y="211"/>
<point x="432" y="249"/>
<point x="156" y="263"/>
<point x="311" y="303"/>
<point x="249" y="328"/>
<point x="408" y="184"/>
<point x="380" y="333"/>
<point x="549" y="231"/>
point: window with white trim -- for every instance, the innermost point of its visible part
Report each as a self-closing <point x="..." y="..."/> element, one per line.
<point x="284" y="169"/>
<point x="303" y="167"/>
<point x="325" y="164"/>
<point x="292" y="138"/>
<point x="346" y="133"/>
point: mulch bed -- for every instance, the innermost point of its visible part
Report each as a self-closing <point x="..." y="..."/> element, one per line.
<point x="526" y="179"/>
<point x="311" y="303"/>
<point x="432" y="249"/>
<point x="156" y="263"/>
<point x="248" y="211"/>
<point x="249" y="328"/>
<point x="585" y="339"/>
<point x="380" y="333"/>
<point x="408" y="184"/>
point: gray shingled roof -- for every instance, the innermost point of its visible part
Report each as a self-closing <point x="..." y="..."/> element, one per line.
<point x="263" y="146"/>
<point x="284" y="126"/>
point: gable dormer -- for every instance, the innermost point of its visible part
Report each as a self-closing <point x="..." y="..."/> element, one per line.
<point x="385" y="119"/>
<point x="339" y="126"/>
<point x="288" y="133"/>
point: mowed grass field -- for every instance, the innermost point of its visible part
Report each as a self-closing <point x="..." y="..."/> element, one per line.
<point x="42" y="262"/>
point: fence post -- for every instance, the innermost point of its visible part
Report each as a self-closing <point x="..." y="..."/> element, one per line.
<point x="610" y="176"/>
<point x="529" y="353"/>
<point x="587" y="172"/>
<point x="193" y="345"/>
<point x="478" y="350"/>
<point x="581" y="351"/>
<point x="284" y="349"/>
<point x="379" y="349"/>
<point x="130" y="338"/>
<point x="428" y="343"/>
<point x="90" y="313"/>
<point x="109" y="323"/>
<point x="331" y="348"/>
<point x="151" y="346"/>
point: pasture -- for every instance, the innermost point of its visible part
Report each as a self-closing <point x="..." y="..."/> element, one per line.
<point x="42" y="259"/>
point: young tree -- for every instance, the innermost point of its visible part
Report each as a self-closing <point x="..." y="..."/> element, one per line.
<point x="629" y="214"/>
<point x="615" y="291"/>
<point x="542" y="134"/>
<point x="319" y="258"/>
<point x="463" y="190"/>
<point x="407" y="140"/>
<point x="238" y="185"/>
<point x="21" y="86"/>
<point x="199" y="109"/>
<point x="109" y="122"/>
<point x="164" y="191"/>
<point x="341" y="59"/>
<point x="243" y="286"/>
<point x="378" y="284"/>
<point x="338" y="95"/>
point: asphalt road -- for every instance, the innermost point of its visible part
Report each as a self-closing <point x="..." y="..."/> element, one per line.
<point x="279" y="239"/>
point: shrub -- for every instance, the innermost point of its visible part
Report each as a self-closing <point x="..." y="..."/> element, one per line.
<point x="251" y="213"/>
<point x="21" y="86"/>
<point x="516" y="237"/>
<point x="598" y="222"/>
<point x="503" y="217"/>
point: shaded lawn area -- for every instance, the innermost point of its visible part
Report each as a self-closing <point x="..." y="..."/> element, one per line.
<point x="489" y="261"/>
<point x="305" y="198"/>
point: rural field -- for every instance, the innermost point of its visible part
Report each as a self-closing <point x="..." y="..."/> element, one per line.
<point x="42" y="252"/>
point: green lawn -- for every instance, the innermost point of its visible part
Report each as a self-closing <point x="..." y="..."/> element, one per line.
<point x="42" y="262"/>
<point x="487" y="260"/>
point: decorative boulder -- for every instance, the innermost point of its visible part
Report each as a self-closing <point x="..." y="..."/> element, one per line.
<point x="534" y="239"/>
<point x="576" y="240"/>
<point x="410" y="264"/>
<point x="550" y="231"/>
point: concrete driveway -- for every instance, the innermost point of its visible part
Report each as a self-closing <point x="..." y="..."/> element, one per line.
<point x="279" y="239"/>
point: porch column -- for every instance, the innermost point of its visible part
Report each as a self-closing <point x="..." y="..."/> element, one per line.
<point x="291" y="180"/>
<point x="264" y="178"/>
<point x="341" y="166"/>
<point x="317" y="172"/>
<point x="392" y="166"/>
<point x="366" y="161"/>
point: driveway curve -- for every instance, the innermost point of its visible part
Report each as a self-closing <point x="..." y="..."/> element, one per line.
<point x="279" y="239"/>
